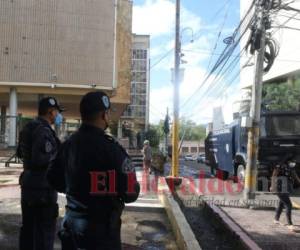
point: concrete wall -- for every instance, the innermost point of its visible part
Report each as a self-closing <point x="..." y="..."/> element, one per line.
<point x="67" y="41"/>
<point x="123" y="51"/>
<point x="81" y="41"/>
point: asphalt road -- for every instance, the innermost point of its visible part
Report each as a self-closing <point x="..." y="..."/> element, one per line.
<point x="189" y="169"/>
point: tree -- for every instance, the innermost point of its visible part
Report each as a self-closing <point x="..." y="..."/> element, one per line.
<point x="191" y="131"/>
<point x="282" y="96"/>
<point x="166" y="127"/>
<point x="153" y="135"/>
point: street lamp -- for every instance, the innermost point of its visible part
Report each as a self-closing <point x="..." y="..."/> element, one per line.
<point x="190" y="29"/>
<point x="175" y="127"/>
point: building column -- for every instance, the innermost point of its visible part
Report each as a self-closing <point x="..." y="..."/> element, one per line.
<point x="147" y="118"/>
<point x="13" y="107"/>
<point x="2" y="123"/>
<point x="119" y="130"/>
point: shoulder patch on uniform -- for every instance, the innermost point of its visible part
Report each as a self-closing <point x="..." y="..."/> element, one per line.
<point x="48" y="147"/>
<point x="128" y="166"/>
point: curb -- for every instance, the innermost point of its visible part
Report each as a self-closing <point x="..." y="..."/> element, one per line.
<point x="223" y="220"/>
<point x="296" y="205"/>
<point x="184" y="235"/>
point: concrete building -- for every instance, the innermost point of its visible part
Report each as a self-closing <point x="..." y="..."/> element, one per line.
<point x="287" y="64"/>
<point x="63" y="48"/>
<point x="136" y="116"/>
<point x="192" y="147"/>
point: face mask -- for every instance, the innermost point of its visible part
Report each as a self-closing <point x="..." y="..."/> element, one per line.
<point x="58" y="119"/>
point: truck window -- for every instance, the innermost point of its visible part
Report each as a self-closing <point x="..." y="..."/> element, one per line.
<point x="281" y="125"/>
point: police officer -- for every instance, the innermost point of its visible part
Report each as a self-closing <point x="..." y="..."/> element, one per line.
<point x="38" y="146"/>
<point x="97" y="176"/>
<point x="282" y="180"/>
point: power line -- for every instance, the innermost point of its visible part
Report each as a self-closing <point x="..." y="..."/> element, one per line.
<point x="225" y="87"/>
<point x="198" y="35"/>
<point x="218" y="37"/>
<point x="162" y="58"/>
<point x="285" y="22"/>
<point x="293" y="18"/>
<point x="195" y="38"/>
<point x="286" y="27"/>
<point x="228" y="50"/>
<point x="236" y="55"/>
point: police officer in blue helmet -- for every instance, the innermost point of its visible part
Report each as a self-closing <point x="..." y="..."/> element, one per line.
<point x="37" y="147"/>
<point x="98" y="178"/>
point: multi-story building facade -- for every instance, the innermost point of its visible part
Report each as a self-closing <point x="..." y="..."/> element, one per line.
<point x="136" y="116"/>
<point x="63" y="48"/>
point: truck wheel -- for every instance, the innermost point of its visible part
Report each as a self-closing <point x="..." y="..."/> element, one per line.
<point x="240" y="173"/>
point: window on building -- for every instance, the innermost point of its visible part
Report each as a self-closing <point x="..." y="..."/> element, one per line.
<point x="139" y="76"/>
<point x="194" y="149"/>
<point x="140" y="88"/>
<point x="139" y="65"/>
<point x="133" y="88"/>
<point x="128" y="111"/>
<point x="185" y="149"/>
<point x="139" y="54"/>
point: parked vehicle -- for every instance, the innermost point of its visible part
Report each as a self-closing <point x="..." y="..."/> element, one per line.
<point x="279" y="135"/>
<point x="201" y="158"/>
<point x="189" y="157"/>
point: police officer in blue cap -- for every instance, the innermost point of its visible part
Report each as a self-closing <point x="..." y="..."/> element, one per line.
<point x="97" y="176"/>
<point x="38" y="146"/>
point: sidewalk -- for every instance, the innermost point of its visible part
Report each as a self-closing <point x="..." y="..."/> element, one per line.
<point x="254" y="217"/>
<point x="144" y="223"/>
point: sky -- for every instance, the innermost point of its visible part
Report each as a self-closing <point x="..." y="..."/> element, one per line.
<point x="207" y="22"/>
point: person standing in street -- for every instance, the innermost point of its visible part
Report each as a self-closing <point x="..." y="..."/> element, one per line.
<point x="209" y="155"/>
<point x="38" y="146"/>
<point x="147" y="156"/>
<point x="96" y="174"/>
<point x="282" y="183"/>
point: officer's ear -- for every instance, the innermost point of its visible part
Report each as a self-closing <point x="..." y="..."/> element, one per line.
<point x="104" y="115"/>
<point x="50" y="110"/>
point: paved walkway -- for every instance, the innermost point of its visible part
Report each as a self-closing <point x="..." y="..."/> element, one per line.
<point x="256" y="221"/>
<point x="145" y="224"/>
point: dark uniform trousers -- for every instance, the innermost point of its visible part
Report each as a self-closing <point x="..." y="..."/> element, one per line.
<point x="38" y="226"/>
<point x="82" y="233"/>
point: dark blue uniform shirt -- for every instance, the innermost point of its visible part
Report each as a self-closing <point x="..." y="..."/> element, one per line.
<point x="86" y="152"/>
<point x="38" y="146"/>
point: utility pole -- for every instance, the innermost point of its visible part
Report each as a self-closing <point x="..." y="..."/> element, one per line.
<point x="262" y="10"/>
<point x="175" y="127"/>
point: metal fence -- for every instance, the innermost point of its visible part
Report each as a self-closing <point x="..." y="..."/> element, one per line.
<point x="9" y="130"/>
<point x="10" y="126"/>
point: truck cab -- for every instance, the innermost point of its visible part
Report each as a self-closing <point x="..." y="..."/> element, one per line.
<point x="279" y="135"/>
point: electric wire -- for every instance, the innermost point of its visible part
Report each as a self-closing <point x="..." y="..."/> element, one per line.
<point x="162" y="58"/>
<point x="223" y="88"/>
<point x="218" y="37"/>
<point x="227" y="52"/>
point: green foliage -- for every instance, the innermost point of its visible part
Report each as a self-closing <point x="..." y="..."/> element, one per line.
<point x="153" y="135"/>
<point x="191" y="131"/>
<point x="166" y="127"/>
<point x="23" y="121"/>
<point x="282" y="96"/>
